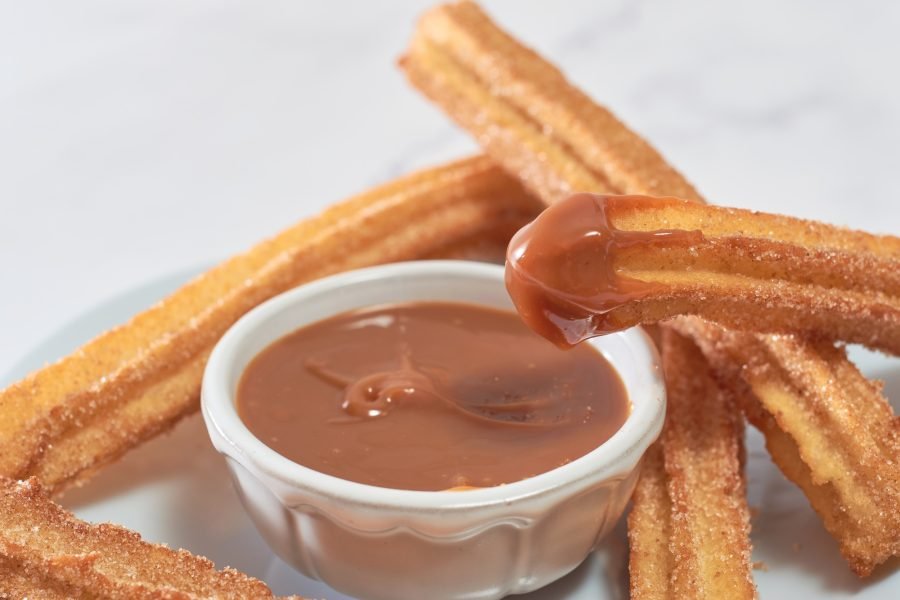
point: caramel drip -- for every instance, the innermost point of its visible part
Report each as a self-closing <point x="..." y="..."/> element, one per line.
<point x="561" y="268"/>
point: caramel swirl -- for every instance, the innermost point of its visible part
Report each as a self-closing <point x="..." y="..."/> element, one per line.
<point x="429" y="396"/>
<point x="375" y="395"/>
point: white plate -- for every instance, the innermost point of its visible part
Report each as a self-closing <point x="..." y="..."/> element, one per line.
<point x="175" y="490"/>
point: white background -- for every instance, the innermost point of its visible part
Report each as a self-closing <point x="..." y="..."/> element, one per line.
<point x="143" y="138"/>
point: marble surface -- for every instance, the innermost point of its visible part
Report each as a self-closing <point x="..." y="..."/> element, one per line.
<point x="143" y="138"/>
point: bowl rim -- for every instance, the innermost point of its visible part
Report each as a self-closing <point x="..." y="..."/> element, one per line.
<point x="613" y="459"/>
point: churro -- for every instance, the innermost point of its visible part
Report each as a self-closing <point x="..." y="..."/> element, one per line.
<point x="526" y="115"/>
<point x="689" y="525"/>
<point x="45" y="552"/>
<point x="827" y="427"/>
<point x="66" y="420"/>
<point x="591" y="264"/>
<point x="544" y="130"/>
<point x="650" y="562"/>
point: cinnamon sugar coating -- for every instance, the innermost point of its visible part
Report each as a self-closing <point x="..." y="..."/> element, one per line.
<point x="650" y="561"/>
<point x="754" y="271"/>
<point x="45" y="552"/>
<point x="689" y="524"/>
<point x="828" y="428"/>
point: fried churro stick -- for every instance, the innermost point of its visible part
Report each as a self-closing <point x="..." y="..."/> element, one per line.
<point x="590" y="265"/>
<point x="63" y="422"/>
<point x="650" y="561"/>
<point x="689" y="525"/>
<point x="526" y="115"/>
<point x="558" y="141"/>
<point x="827" y="427"/>
<point x="45" y="552"/>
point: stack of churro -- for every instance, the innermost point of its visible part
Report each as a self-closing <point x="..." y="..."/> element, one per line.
<point x="827" y="427"/>
<point x="557" y="141"/>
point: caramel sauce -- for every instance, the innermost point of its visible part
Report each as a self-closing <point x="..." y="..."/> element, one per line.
<point x="429" y="396"/>
<point x="561" y="268"/>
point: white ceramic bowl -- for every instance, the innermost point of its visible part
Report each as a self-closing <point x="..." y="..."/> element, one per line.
<point x="381" y="543"/>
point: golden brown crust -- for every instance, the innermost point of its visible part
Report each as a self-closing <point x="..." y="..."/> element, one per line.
<point x="45" y="552"/>
<point x="68" y="419"/>
<point x="522" y="108"/>
<point x="650" y="562"/>
<point x="702" y="448"/>
<point x="15" y="582"/>
<point x="828" y="428"/>
<point x="689" y="525"/>
<point x="759" y="272"/>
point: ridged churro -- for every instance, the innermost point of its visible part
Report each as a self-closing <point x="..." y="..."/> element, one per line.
<point x="552" y="136"/>
<point x="45" y="552"/>
<point x="689" y="524"/>
<point x="526" y="115"/>
<point x="650" y="561"/>
<point x="592" y="264"/>
<point x="66" y="420"/>
<point x="827" y="427"/>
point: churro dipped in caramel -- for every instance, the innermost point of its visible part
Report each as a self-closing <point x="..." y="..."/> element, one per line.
<point x="590" y="265"/>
